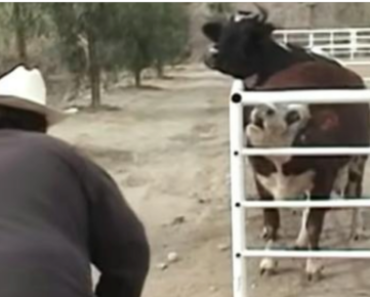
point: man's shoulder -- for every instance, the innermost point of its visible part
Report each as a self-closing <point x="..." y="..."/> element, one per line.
<point x="42" y="144"/>
<point x="48" y="145"/>
<point x="41" y="141"/>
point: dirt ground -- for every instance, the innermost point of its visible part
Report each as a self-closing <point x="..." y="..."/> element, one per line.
<point x="167" y="147"/>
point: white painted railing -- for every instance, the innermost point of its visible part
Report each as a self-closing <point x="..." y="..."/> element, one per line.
<point x="358" y="254"/>
<point x="238" y="152"/>
<point x="350" y="44"/>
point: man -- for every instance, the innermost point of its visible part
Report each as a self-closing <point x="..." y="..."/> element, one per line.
<point x="59" y="211"/>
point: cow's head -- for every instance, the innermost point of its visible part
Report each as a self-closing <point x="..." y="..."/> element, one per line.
<point x="237" y="43"/>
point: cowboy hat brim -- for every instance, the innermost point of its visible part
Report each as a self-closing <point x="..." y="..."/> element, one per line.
<point x="52" y="116"/>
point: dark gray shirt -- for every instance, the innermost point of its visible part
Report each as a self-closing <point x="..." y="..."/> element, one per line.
<point x="59" y="212"/>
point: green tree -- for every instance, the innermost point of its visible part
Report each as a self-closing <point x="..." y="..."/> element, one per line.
<point x="96" y="37"/>
<point x="172" y="35"/>
<point x="81" y="29"/>
<point x="220" y="9"/>
<point x="148" y="35"/>
<point x="137" y="37"/>
<point x="25" y="20"/>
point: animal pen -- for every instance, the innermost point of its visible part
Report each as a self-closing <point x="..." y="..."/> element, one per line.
<point x="238" y="152"/>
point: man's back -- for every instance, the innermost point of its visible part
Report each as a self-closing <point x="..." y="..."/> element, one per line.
<point x="59" y="212"/>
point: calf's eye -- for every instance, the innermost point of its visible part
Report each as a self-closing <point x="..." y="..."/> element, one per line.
<point x="292" y="117"/>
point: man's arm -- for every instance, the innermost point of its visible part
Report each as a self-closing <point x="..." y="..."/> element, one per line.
<point x="118" y="243"/>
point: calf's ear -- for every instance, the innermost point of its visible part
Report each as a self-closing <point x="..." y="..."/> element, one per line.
<point x="212" y="31"/>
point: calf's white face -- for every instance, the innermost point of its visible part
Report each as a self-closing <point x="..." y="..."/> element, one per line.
<point x="273" y="125"/>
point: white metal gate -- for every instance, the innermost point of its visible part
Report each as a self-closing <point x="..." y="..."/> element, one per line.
<point x="238" y="152"/>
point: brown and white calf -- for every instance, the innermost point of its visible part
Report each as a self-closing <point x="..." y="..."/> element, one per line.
<point x="288" y="177"/>
<point x="279" y="126"/>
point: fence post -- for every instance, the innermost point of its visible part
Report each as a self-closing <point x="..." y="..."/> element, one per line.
<point x="237" y="167"/>
<point x="331" y="41"/>
<point x="311" y="41"/>
<point x="285" y="37"/>
<point x="353" y="44"/>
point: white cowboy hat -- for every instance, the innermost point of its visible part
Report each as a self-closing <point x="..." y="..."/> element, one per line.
<point x="25" y="89"/>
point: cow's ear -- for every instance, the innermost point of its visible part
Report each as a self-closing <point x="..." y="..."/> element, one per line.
<point x="212" y="30"/>
<point x="327" y="120"/>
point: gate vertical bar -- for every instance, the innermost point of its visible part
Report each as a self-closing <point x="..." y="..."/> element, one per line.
<point x="237" y="179"/>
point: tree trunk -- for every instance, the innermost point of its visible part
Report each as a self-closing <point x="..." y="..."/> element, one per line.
<point x="20" y="32"/>
<point x="94" y="72"/>
<point x="160" y="70"/>
<point x="137" y="78"/>
<point x="114" y="76"/>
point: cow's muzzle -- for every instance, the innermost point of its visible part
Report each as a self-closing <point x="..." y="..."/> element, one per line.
<point x="210" y="57"/>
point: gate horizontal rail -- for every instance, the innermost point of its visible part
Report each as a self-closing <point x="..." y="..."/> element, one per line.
<point x="336" y="96"/>
<point x="314" y="151"/>
<point x="355" y="254"/>
<point x="334" y="203"/>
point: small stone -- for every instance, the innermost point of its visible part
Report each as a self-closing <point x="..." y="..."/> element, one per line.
<point x="172" y="257"/>
<point x="223" y="247"/>
<point x="178" y="220"/>
<point x="212" y="289"/>
<point x="204" y="200"/>
<point x="162" y="266"/>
